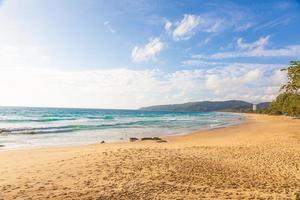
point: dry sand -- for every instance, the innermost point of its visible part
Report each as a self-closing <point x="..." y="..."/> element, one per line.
<point x="259" y="159"/>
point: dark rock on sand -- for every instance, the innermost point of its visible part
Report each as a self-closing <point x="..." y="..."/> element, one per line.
<point x="102" y="142"/>
<point x="151" y="138"/>
<point x="146" y="138"/>
<point x="156" y="138"/>
<point x="297" y="195"/>
<point x="133" y="139"/>
<point x="160" y="141"/>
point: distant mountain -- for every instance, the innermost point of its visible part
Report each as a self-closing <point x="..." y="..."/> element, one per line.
<point x="207" y="106"/>
<point x="263" y="105"/>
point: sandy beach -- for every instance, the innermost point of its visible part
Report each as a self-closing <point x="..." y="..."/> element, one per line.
<point x="259" y="159"/>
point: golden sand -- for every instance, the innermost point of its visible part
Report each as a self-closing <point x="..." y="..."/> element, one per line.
<point x="259" y="159"/>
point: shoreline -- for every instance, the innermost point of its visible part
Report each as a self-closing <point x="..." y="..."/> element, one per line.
<point x="242" y="119"/>
<point x="256" y="159"/>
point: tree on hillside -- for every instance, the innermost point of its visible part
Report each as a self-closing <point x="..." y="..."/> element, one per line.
<point x="288" y="102"/>
<point x="293" y="73"/>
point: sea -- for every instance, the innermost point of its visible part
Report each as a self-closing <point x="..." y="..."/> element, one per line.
<point x="25" y="127"/>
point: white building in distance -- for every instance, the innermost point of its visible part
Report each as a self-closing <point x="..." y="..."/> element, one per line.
<point x="254" y="108"/>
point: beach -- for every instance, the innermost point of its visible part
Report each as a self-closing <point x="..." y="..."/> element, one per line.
<point x="258" y="159"/>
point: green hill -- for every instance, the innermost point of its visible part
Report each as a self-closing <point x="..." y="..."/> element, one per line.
<point x="207" y="106"/>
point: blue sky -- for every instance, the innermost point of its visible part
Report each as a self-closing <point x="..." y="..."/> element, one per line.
<point x="127" y="54"/>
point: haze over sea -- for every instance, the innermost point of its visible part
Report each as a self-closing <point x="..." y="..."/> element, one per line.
<point x="37" y="127"/>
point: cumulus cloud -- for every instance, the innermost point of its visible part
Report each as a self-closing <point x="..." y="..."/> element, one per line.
<point x="148" y="52"/>
<point x="186" y="27"/>
<point x="252" y="83"/>
<point x="125" y="88"/>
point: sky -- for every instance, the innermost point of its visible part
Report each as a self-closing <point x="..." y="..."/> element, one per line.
<point x="129" y="54"/>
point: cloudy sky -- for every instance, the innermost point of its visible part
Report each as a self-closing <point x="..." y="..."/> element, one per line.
<point x="128" y="54"/>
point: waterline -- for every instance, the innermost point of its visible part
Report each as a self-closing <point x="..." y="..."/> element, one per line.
<point x="40" y="127"/>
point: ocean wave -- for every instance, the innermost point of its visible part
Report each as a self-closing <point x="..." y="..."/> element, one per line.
<point x="48" y="121"/>
<point x="35" y="120"/>
<point x="81" y="127"/>
<point x="51" y="119"/>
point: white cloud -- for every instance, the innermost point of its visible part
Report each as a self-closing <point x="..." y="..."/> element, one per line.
<point x="191" y="24"/>
<point x="168" y="25"/>
<point x="278" y="77"/>
<point x="252" y="83"/>
<point x="204" y="42"/>
<point x="288" y="51"/>
<point x="259" y="44"/>
<point x="120" y="88"/>
<point x="252" y="76"/>
<point x="148" y="52"/>
<point x="108" y="26"/>
<point x="125" y="88"/>
<point x="256" y="49"/>
<point x="203" y="63"/>
<point x="186" y="27"/>
<point x="214" y="26"/>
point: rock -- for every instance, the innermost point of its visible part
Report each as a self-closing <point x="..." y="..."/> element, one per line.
<point x="297" y="195"/>
<point x="133" y="139"/>
<point x="146" y="138"/>
<point x="160" y="141"/>
<point x="102" y="142"/>
<point x="1" y="145"/>
<point x="151" y="138"/>
<point x="156" y="138"/>
<point x="4" y="131"/>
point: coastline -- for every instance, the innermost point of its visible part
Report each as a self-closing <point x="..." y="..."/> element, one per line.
<point x="238" y="119"/>
<point x="230" y="162"/>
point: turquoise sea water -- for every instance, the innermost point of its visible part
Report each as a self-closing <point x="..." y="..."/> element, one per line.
<point x="39" y="127"/>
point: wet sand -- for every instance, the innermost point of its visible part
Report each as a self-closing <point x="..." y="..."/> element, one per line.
<point x="259" y="159"/>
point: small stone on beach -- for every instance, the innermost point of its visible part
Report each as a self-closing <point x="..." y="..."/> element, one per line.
<point x="160" y="141"/>
<point x="151" y="138"/>
<point x="133" y="139"/>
